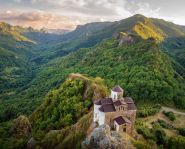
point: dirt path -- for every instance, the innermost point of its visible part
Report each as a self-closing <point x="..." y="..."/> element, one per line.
<point x="180" y="121"/>
<point x="167" y="109"/>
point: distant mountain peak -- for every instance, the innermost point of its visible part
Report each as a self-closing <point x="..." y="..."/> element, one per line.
<point x="139" y="15"/>
<point x="55" y="31"/>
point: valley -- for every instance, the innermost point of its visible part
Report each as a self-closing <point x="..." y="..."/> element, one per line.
<point x="52" y="79"/>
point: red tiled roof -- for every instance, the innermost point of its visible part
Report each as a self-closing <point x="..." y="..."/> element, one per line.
<point x="131" y="106"/>
<point x="119" y="120"/>
<point x="117" y="103"/>
<point x="106" y="105"/>
<point x="117" y="89"/>
<point x="106" y="101"/>
<point x="128" y="100"/>
<point x="107" y="108"/>
<point x="122" y="120"/>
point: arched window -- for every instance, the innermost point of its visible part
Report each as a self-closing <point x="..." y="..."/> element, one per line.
<point x="124" y="129"/>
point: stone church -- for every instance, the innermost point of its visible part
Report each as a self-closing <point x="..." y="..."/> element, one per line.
<point x="116" y="111"/>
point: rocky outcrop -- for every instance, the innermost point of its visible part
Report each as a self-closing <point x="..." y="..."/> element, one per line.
<point x="103" y="138"/>
<point x="21" y="127"/>
<point x="31" y="144"/>
<point x="125" y="38"/>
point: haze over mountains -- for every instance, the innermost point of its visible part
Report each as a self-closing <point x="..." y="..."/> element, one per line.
<point x="144" y="55"/>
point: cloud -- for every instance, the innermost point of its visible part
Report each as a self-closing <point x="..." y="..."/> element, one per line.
<point x="40" y="20"/>
<point x="69" y="13"/>
<point x="91" y="8"/>
<point x="113" y="9"/>
<point x="8" y="12"/>
<point x="142" y="8"/>
<point x="77" y="7"/>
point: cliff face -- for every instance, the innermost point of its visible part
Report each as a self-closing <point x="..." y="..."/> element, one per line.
<point x="102" y="138"/>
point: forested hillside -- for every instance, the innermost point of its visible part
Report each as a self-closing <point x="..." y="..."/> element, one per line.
<point x="141" y="67"/>
<point x="143" y="55"/>
<point x="48" y="57"/>
<point x="15" y="71"/>
<point x="61" y="108"/>
<point x="15" y="67"/>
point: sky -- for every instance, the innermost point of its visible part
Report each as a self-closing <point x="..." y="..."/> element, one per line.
<point x="67" y="14"/>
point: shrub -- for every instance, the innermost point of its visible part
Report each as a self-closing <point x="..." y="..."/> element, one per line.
<point x="146" y="132"/>
<point x="181" y="131"/>
<point x="177" y="142"/>
<point x="163" y="124"/>
<point x="141" y="145"/>
<point x="88" y="103"/>
<point x="170" y="115"/>
<point x="160" y="136"/>
<point x="148" y="111"/>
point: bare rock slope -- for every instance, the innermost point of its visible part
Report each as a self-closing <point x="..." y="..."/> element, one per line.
<point x="103" y="138"/>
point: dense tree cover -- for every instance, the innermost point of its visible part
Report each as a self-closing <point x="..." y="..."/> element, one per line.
<point x="175" y="47"/>
<point x="41" y="47"/>
<point x="16" y="69"/>
<point x="70" y="137"/>
<point x="141" y="69"/>
<point x="9" y="134"/>
<point x="61" y="108"/>
<point x="65" y="105"/>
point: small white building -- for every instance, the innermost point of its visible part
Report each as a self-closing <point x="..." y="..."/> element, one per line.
<point x="117" y="112"/>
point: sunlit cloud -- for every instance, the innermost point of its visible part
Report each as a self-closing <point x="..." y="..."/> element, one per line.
<point x="69" y="13"/>
<point x="40" y="20"/>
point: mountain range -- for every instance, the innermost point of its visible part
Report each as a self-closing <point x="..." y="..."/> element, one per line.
<point x="146" y="56"/>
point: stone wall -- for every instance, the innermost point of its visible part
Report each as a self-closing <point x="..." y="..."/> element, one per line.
<point x="126" y="128"/>
<point x="110" y="116"/>
<point x="131" y="115"/>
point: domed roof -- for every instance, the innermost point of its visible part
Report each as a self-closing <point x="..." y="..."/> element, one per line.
<point x="117" y="88"/>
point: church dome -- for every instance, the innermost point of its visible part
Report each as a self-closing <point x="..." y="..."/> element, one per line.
<point x="117" y="88"/>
